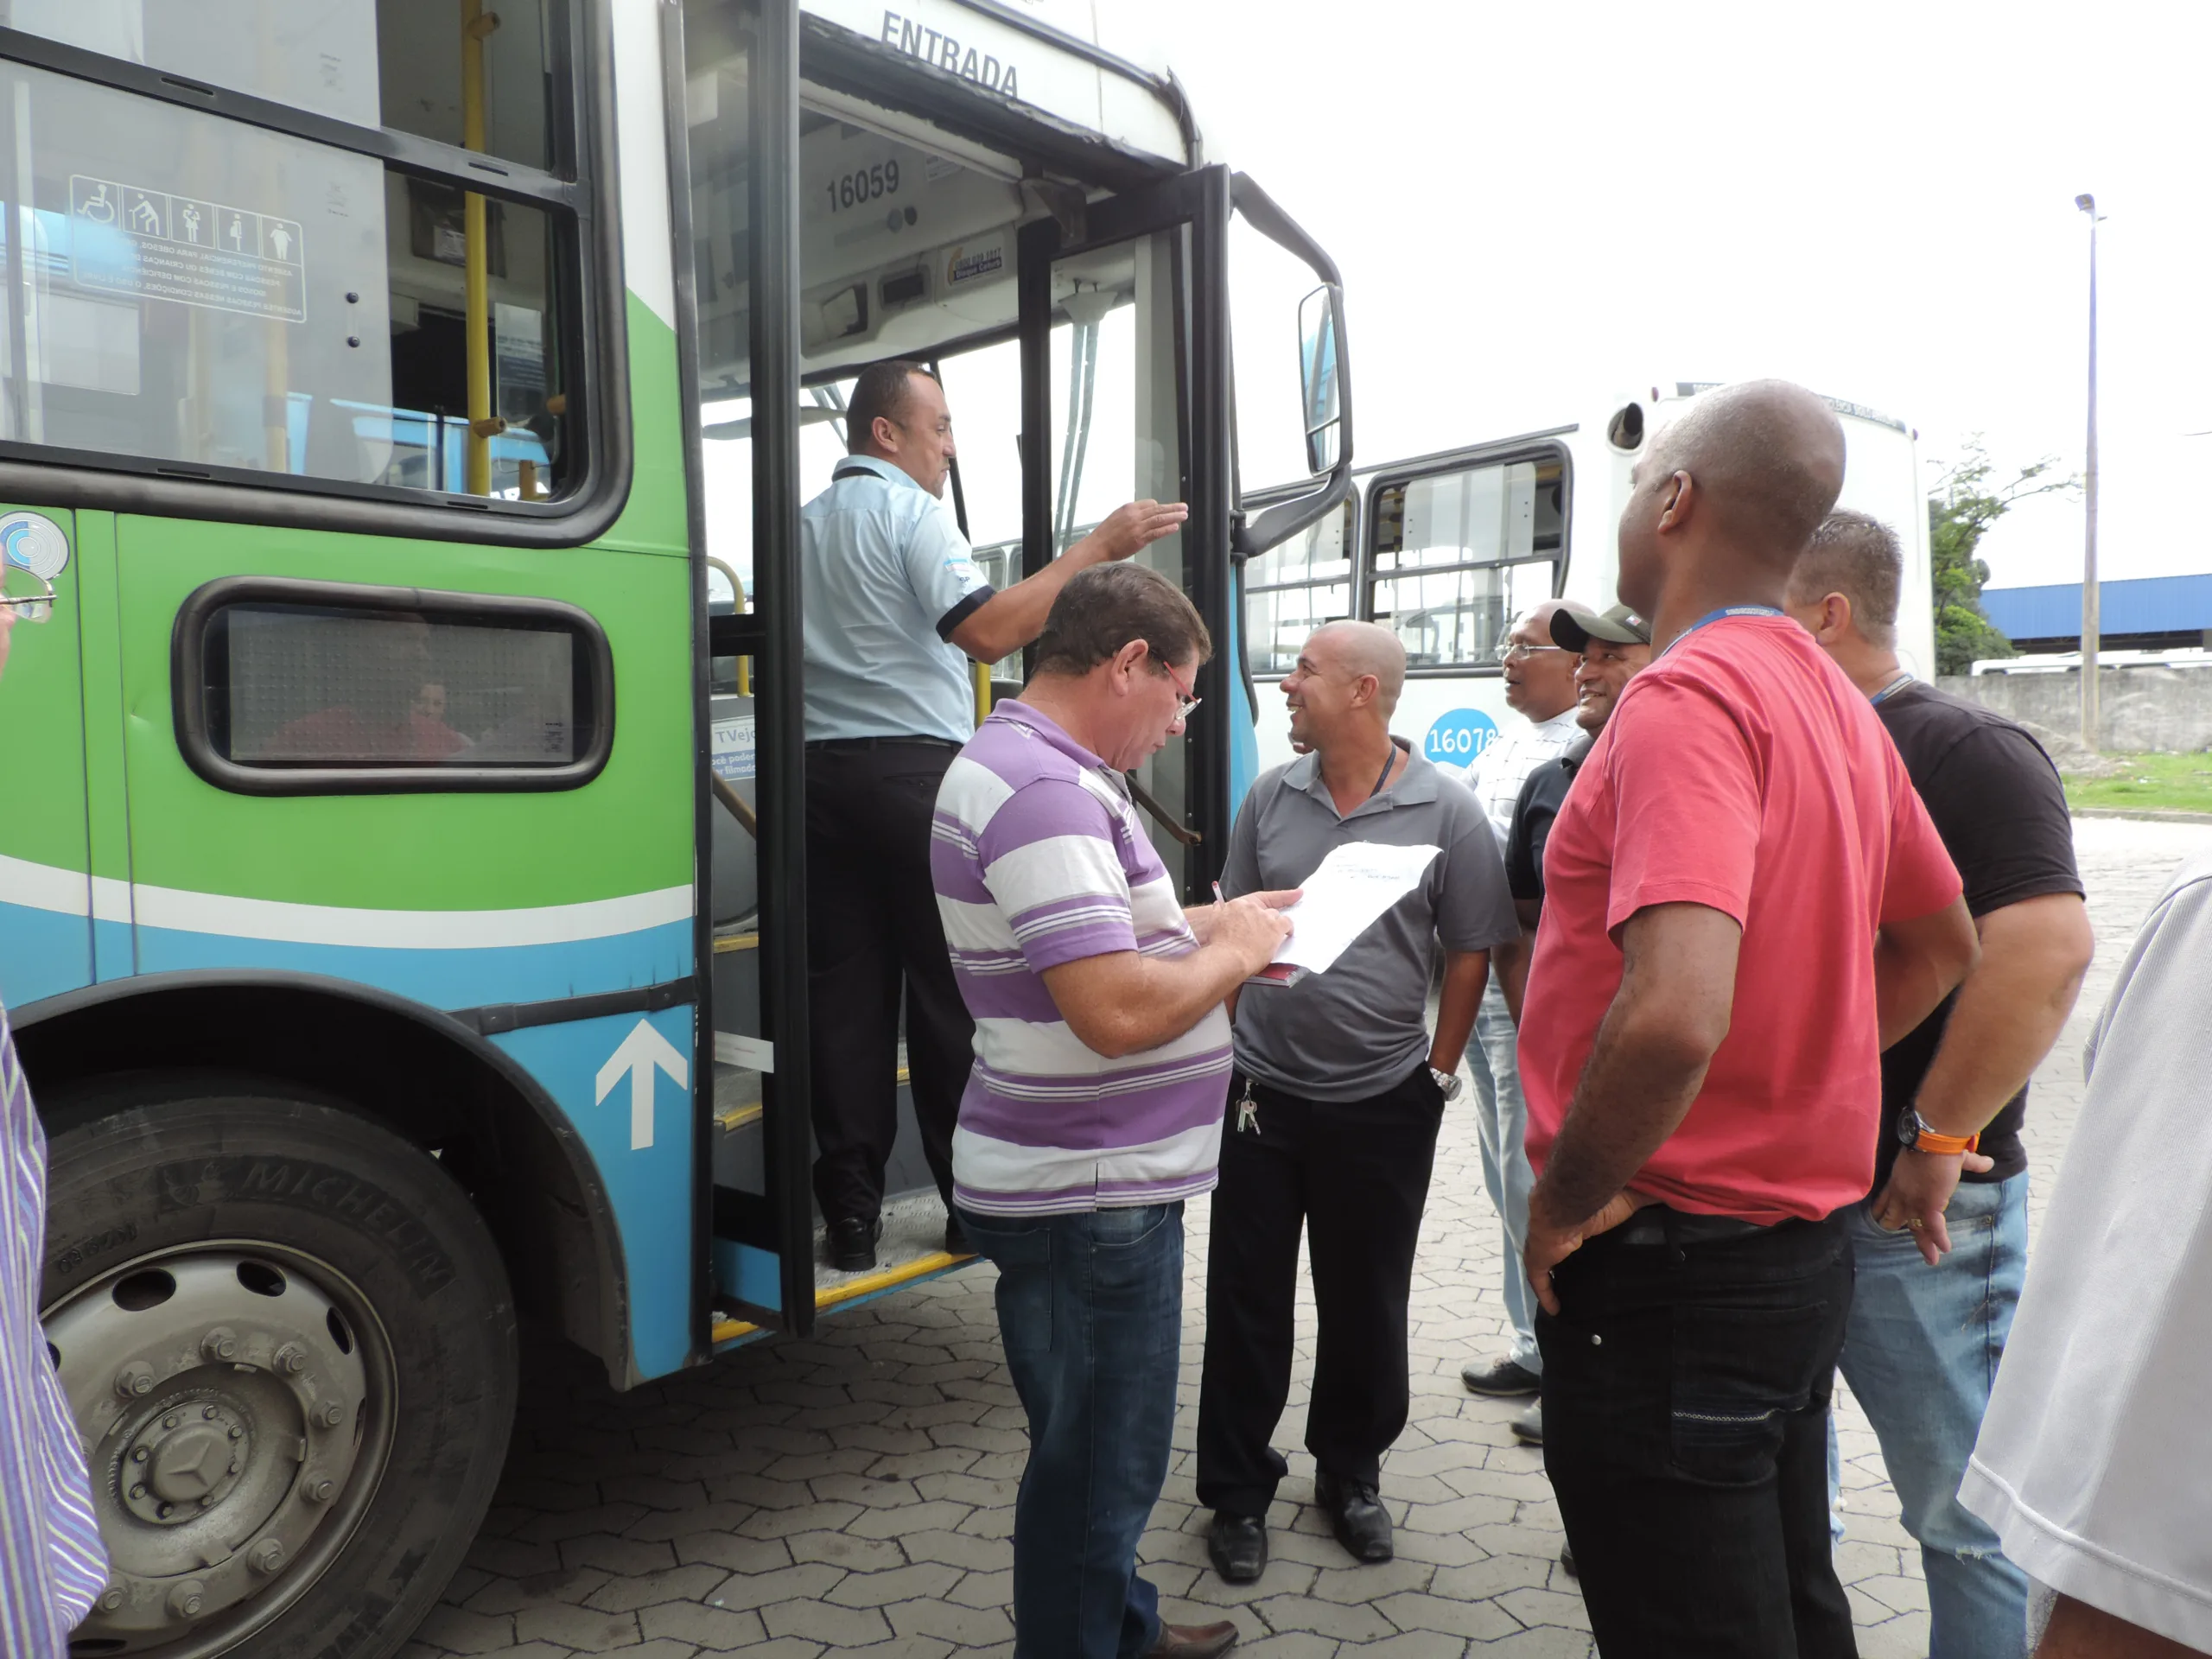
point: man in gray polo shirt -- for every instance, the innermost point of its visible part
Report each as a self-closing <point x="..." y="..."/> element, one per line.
<point x="1334" y="1111"/>
<point x="894" y="609"/>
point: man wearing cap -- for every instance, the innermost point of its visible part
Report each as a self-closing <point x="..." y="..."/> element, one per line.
<point x="1539" y="675"/>
<point x="1610" y="649"/>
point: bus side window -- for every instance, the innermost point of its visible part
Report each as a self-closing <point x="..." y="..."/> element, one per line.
<point x="272" y="298"/>
<point x="1292" y="589"/>
<point x="1458" y="554"/>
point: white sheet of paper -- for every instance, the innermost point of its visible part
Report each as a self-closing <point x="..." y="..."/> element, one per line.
<point x="1347" y="895"/>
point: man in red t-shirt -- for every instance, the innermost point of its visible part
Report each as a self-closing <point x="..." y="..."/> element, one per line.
<point x="1745" y="902"/>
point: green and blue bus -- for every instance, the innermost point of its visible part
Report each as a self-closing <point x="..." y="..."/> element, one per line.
<point x="405" y="408"/>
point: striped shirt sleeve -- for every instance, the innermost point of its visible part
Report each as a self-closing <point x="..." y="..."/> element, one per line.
<point x="1050" y="860"/>
<point x="52" y="1561"/>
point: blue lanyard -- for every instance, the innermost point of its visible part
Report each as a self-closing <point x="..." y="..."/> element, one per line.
<point x="1715" y="616"/>
<point x="1891" y="690"/>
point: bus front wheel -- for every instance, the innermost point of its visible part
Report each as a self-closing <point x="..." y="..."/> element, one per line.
<point x="288" y="1340"/>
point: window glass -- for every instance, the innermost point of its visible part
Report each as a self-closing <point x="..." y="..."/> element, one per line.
<point x="394" y="63"/>
<point x="302" y="686"/>
<point x="184" y="289"/>
<point x="1457" y="556"/>
<point x="1278" y="621"/>
<point x="1318" y="553"/>
<point x="423" y="89"/>
<point x="1460" y="618"/>
<point x="982" y="390"/>
<point x="1484" y="516"/>
<point x="1293" y="588"/>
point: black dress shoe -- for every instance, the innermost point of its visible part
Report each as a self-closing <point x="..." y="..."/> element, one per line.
<point x="1356" y="1516"/>
<point x="1508" y="1379"/>
<point x="1237" y="1546"/>
<point x="852" y="1244"/>
<point x="1192" y="1641"/>
<point x="1566" y="1562"/>
<point x="1529" y="1427"/>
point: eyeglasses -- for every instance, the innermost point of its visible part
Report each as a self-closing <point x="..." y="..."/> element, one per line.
<point x="1182" y="691"/>
<point x="1519" y="653"/>
<point x="31" y="608"/>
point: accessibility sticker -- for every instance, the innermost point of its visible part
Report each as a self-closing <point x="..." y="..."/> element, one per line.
<point x="156" y="246"/>
<point x="32" y="541"/>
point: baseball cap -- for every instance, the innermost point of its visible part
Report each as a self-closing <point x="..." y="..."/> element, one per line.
<point x="1574" y="627"/>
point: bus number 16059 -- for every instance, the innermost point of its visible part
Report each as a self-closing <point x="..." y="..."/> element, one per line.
<point x="863" y="185"/>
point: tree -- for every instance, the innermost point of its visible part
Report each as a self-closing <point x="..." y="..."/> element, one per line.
<point x="1961" y="509"/>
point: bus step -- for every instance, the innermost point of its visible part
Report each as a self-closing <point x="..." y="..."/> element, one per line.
<point x="911" y="1249"/>
<point x="741" y="1140"/>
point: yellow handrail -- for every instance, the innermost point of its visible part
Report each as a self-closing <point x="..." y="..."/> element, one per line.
<point x="744" y="604"/>
<point x="475" y="24"/>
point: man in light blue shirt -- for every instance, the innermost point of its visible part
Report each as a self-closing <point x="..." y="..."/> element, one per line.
<point x="894" y="610"/>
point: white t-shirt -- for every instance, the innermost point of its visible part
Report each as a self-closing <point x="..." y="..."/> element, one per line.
<point x="2095" y="1463"/>
<point x="1500" y="769"/>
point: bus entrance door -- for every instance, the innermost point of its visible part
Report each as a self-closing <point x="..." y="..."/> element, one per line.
<point x="1126" y="293"/>
<point x="1124" y="325"/>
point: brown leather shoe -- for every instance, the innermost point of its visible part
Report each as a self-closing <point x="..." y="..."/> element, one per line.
<point x="1192" y="1641"/>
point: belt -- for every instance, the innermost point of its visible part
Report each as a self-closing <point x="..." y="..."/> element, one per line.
<point x="953" y="744"/>
<point x="1655" y="1223"/>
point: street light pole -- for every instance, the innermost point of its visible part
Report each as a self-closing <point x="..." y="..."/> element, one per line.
<point x="2091" y="622"/>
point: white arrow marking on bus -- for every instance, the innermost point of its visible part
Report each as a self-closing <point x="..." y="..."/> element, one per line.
<point x="641" y="1051"/>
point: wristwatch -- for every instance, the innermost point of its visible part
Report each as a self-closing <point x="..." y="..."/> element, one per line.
<point x="1913" y="1131"/>
<point x="1447" y="1083"/>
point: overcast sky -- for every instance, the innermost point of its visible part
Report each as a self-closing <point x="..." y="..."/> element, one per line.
<point x="1538" y="209"/>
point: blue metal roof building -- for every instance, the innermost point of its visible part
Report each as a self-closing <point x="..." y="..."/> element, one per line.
<point x="2171" y="611"/>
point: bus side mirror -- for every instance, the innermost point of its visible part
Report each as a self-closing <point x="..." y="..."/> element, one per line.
<point x="1317" y="329"/>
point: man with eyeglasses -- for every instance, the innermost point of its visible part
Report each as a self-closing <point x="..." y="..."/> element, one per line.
<point x="1339" y="1094"/>
<point x="1539" y="675"/>
<point x="895" y="609"/>
<point x="1095" y="1107"/>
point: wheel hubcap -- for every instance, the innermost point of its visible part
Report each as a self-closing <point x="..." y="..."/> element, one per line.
<point x="234" y="1406"/>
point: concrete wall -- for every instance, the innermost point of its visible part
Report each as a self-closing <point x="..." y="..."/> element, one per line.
<point x="2138" y="709"/>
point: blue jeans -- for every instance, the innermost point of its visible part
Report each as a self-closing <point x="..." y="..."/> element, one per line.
<point x="1091" y="1311"/>
<point x="1502" y="1126"/>
<point x="1920" y="1353"/>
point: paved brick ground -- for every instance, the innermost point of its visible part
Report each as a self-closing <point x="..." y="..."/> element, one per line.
<point x="852" y="1493"/>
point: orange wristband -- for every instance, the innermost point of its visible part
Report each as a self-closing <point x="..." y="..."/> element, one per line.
<point x="1947" y="1146"/>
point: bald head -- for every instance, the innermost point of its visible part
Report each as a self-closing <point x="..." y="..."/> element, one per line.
<point x="1766" y="455"/>
<point x="1343" y="688"/>
<point x="1354" y="649"/>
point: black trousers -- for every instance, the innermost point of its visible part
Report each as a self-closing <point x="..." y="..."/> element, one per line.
<point x="1355" y="1175"/>
<point x="1686" y="1415"/>
<point x="872" y="931"/>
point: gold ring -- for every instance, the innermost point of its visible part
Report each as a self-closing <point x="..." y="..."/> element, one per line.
<point x="1915" y="1224"/>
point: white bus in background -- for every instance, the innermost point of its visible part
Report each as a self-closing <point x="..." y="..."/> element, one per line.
<point x="1448" y="549"/>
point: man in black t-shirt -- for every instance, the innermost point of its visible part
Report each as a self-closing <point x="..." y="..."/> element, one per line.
<point x="1941" y="1245"/>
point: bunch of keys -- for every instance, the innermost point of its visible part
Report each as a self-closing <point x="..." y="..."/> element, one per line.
<point x="1248" y="1112"/>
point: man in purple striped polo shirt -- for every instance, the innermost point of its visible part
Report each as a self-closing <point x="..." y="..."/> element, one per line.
<point x="1095" y="1106"/>
<point x="52" y="1564"/>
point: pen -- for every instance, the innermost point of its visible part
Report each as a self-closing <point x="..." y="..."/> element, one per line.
<point x="1217" y="899"/>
